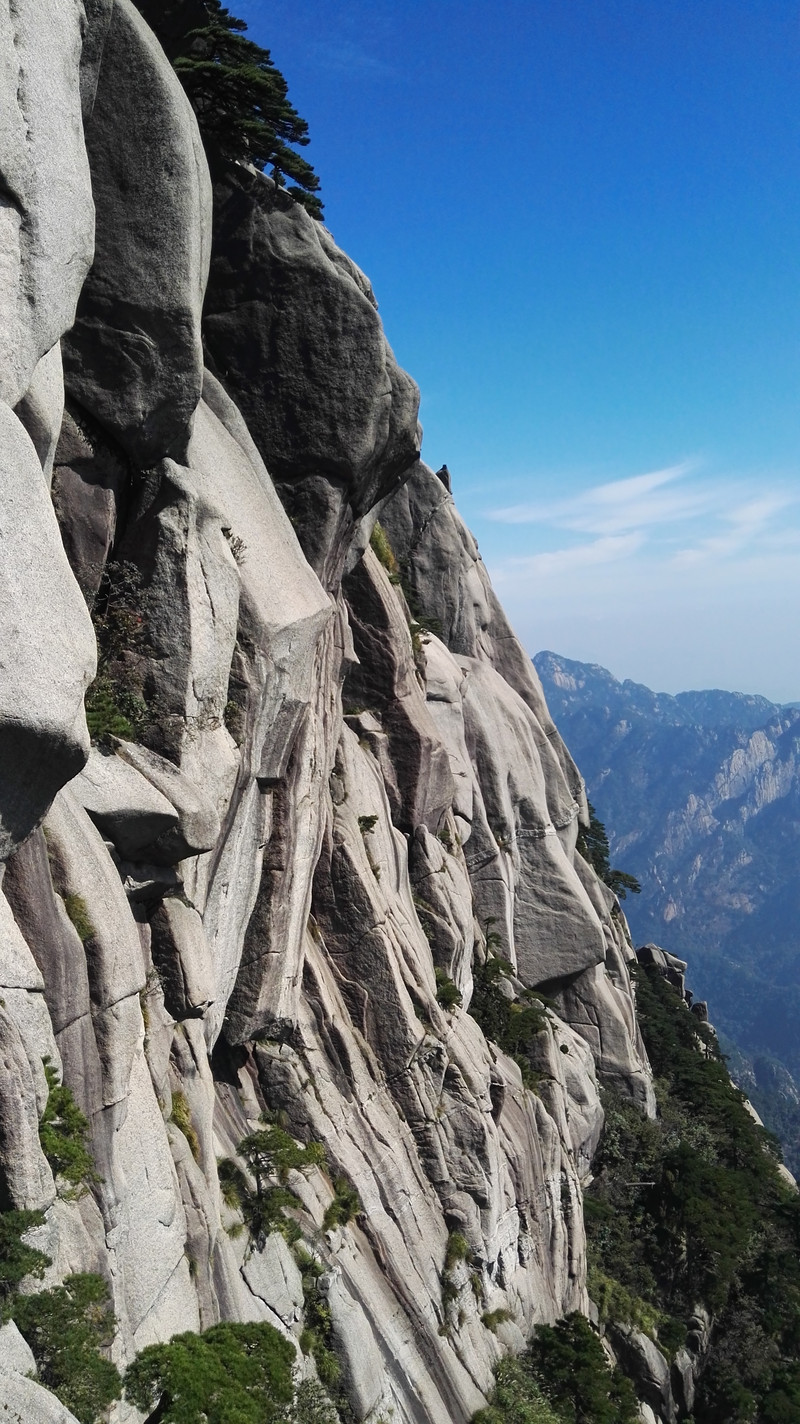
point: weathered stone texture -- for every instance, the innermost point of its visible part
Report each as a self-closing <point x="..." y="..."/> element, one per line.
<point x="255" y="901"/>
<point x="294" y="335"/>
<point x="134" y="358"/>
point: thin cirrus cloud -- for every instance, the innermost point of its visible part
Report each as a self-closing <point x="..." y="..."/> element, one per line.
<point x="347" y="56"/>
<point x="680" y="577"/>
<point x="744" y="527"/>
<point x="674" y="514"/>
<point x="607" y="550"/>
<point x="613" y="508"/>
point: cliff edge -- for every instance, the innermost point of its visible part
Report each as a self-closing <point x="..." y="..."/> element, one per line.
<point x="312" y="862"/>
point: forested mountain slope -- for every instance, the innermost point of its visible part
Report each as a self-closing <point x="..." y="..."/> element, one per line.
<point x="700" y="795"/>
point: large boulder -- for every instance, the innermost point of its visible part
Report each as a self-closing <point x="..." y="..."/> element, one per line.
<point x="47" y="648"/>
<point x="134" y="358"/>
<point x="46" y="212"/>
<point x="293" y="332"/>
<point x="23" y="1401"/>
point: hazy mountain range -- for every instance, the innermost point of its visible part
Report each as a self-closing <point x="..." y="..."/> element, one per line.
<point x="700" y="796"/>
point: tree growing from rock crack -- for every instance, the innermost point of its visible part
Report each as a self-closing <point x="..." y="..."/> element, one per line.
<point x="238" y="94"/>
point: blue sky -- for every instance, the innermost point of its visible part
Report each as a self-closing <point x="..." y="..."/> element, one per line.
<point x="582" y="222"/>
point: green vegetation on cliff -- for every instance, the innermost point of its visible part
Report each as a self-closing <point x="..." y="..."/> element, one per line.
<point x="593" y="846"/>
<point x="240" y="1373"/>
<point x="691" y="1210"/>
<point x="562" y="1378"/>
<point x="69" y="1327"/>
<point x="239" y="96"/>
<point x="694" y="1239"/>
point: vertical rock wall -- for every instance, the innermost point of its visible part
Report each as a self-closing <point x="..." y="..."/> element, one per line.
<point x="305" y="803"/>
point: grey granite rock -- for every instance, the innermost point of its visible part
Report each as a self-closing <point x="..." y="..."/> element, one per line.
<point x="305" y="357"/>
<point x="16" y="1355"/>
<point x="644" y="1363"/>
<point x="446" y="581"/>
<point x="89" y="485"/>
<point x="195" y="824"/>
<point x="46" y="213"/>
<point x="23" y="1401"/>
<point x="42" y="406"/>
<point x="48" y="653"/>
<point x="273" y="1276"/>
<point x="26" y="1182"/>
<point x="134" y="357"/>
<point x="385" y="680"/>
<point x="182" y="957"/>
<point x="114" y="960"/>
<point x="124" y="805"/>
<point x="244" y="911"/>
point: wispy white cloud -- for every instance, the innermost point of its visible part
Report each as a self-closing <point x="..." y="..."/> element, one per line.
<point x="680" y="566"/>
<point x="679" y="514"/>
<point x="349" y="56"/>
<point x="554" y="562"/>
<point x="743" y="528"/>
<point x="632" y="503"/>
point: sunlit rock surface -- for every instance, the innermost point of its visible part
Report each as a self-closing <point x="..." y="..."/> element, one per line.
<point x="339" y="779"/>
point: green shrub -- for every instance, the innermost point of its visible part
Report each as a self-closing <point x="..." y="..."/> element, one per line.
<point x="312" y="1405"/>
<point x="231" y="1374"/>
<point x="569" y="1362"/>
<point x="17" y="1259"/>
<point x="592" y="844"/>
<point x="67" y="1328"/>
<point x="272" y="1151"/>
<point x="457" y="1249"/>
<point x="446" y="992"/>
<point x="513" y="1025"/>
<point x="104" y="716"/>
<point x="239" y="97"/>
<point x="317" y="1335"/>
<point x="270" y="1154"/>
<point x="616" y="1302"/>
<point x="345" y="1206"/>
<point x="114" y="703"/>
<point x="235" y="719"/>
<point x="690" y="1209"/>
<point x="232" y="1182"/>
<point x="63" y="1134"/>
<point x="492" y="1318"/>
<point x="181" y="1115"/>
<point x="517" y="1398"/>
<point x="379" y="543"/>
<point x="78" y="912"/>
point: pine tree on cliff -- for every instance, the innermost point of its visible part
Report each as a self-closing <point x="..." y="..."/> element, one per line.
<point x="239" y="96"/>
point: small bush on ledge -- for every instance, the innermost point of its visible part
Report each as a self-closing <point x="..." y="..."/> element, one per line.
<point x="63" y="1134"/>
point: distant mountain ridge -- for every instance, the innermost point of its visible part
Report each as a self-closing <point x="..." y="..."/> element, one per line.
<point x="700" y="795"/>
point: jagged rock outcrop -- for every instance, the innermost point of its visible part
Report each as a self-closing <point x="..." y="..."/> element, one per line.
<point x="134" y="356"/>
<point x="293" y="331"/>
<point x="302" y="804"/>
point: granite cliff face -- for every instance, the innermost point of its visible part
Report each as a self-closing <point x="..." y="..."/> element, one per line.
<point x="301" y="803"/>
